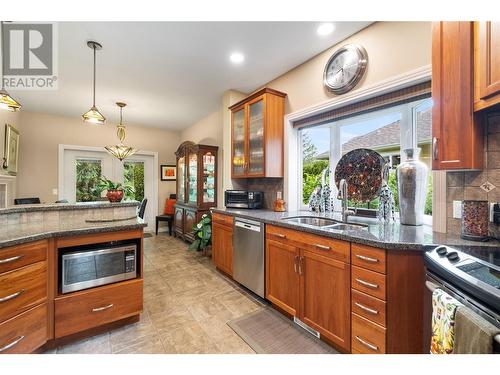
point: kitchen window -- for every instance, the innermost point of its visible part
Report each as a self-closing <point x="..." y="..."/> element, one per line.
<point x="387" y="131"/>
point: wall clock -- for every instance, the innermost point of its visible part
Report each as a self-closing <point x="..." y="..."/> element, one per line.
<point x="345" y="68"/>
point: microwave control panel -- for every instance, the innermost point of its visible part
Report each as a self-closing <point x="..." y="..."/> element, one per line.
<point x="129" y="261"/>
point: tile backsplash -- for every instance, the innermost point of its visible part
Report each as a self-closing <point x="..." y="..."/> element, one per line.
<point x="477" y="185"/>
<point x="270" y="187"/>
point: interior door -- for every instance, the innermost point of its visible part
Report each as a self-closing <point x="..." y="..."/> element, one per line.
<point x="325" y="296"/>
<point x="282" y="276"/>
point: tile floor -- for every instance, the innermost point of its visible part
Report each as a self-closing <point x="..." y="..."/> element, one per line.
<point x="187" y="303"/>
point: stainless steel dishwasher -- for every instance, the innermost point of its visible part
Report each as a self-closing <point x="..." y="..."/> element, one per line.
<point x="248" y="254"/>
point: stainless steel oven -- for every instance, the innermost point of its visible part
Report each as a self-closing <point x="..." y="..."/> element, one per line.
<point x="82" y="269"/>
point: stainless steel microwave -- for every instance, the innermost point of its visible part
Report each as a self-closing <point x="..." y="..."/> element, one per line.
<point x="97" y="266"/>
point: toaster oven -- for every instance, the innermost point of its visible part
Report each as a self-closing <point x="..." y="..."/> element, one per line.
<point x="243" y="199"/>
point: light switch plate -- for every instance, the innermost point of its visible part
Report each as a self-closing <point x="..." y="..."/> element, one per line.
<point x="457" y="209"/>
<point x="54" y="192"/>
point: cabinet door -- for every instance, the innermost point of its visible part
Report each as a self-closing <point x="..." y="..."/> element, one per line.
<point x="179" y="220"/>
<point x="209" y="178"/>
<point x="222" y="247"/>
<point x="192" y="178"/>
<point x="239" y="143"/>
<point x="488" y="65"/>
<point x="181" y="179"/>
<point x="189" y="222"/>
<point x="256" y="160"/>
<point x="325" y="296"/>
<point x="282" y="276"/>
<point x="457" y="140"/>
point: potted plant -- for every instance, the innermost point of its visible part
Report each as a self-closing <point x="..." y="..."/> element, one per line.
<point x="202" y="234"/>
<point x="115" y="190"/>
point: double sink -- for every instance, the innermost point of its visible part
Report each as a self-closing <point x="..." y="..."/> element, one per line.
<point x="323" y="223"/>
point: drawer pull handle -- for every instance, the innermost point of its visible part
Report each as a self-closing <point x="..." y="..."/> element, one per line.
<point x="322" y="247"/>
<point x="301" y="259"/>
<point x="367" y="259"/>
<point x="367" y="284"/>
<point x="10" y="260"/>
<point x="96" y="309"/>
<point x="295" y="261"/>
<point x="367" y="309"/>
<point x="10" y="345"/>
<point x="367" y="344"/>
<point x="279" y="235"/>
<point x="11" y="296"/>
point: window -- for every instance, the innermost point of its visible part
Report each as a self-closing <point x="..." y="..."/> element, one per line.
<point x="88" y="174"/>
<point x="387" y="131"/>
<point x="133" y="175"/>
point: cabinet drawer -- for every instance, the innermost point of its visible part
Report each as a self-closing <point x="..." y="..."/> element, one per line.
<point x="22" y="255"/>
<point x="317" y="244"/>
<point x="25" y="332"/>
<point x="369" y="282"/>
<point x="222" y="219"/>
<point x="368" y="257"/>
<point x="22" y="288"/>
<point x="79" y="311"/>
<point x="368" y="307"/>
<point x="367" y="337"/>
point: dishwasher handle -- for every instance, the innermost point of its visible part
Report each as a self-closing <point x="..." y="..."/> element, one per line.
<point x="241" y="224"/>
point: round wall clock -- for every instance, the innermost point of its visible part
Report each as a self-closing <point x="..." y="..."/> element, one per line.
<point x="345" y="68"/>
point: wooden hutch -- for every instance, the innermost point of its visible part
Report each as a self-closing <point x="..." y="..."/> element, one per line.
<point x="196" y="186"/>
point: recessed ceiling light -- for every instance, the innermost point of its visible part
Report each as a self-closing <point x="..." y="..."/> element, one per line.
<point x="325" y="29"/>
<point x="237" y="58"/>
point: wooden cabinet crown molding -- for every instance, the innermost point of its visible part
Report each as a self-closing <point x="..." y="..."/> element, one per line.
<point x="256" y="94"/>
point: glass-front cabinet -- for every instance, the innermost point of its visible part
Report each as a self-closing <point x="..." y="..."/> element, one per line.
<point x="196" y="185"/>
<point x="257" y="135"/>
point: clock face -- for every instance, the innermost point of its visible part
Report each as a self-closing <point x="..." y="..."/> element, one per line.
<point x="345" y="68"/>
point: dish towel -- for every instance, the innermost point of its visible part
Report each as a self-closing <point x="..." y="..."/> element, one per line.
<point x="473" y="334"/>
<point x="444" y="308"/>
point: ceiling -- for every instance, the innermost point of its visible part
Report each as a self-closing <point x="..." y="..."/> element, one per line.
<point x="172" y="74"/>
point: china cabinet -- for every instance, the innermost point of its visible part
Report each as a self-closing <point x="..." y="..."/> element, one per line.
<point x="196" y="186"/>
<point x="257" y="135"/>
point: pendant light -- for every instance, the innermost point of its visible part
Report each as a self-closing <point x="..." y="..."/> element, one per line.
<point x="93" y="115"/>
<point x="121" y="151"/>
<point x="7" y="102"/>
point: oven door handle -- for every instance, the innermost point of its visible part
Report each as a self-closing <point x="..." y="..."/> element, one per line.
<point x="432" y="286"/>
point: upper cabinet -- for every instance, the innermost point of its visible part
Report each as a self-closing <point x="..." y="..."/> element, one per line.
<point x="457" y="133"/>
<point x="257" y="135"/>
<point x="486" y="64"/>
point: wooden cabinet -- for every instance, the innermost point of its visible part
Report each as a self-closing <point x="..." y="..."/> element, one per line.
<point x="307" y="277"/>
<point x="457" y="141"/>
<point x="222" y="242"/>
<point x="257" y="135"/>
<point x="23" y="297"/>
<point x="79" y="311"/>
<point x="196" y="186"/>
<point x="486" y="64"/>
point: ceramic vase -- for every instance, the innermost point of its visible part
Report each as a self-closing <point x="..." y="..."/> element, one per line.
<point x="412" y="188"/>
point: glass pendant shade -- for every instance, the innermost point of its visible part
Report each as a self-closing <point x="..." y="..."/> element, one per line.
<point x="93" y="116"/>
<point x="8" y="103"/>
<point x="120" y="151"/>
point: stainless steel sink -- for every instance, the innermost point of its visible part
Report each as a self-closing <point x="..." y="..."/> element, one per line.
<point x="309" y="220"/>
<point x="324" y="223"/>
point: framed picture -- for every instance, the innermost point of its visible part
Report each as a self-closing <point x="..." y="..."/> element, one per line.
<point x="168" y="172"/>
<point x="11" y="150"/>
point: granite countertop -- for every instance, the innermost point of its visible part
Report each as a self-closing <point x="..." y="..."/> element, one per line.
<point x="65" y="206"/>
<point x="22" y="233"/>
<point x="391" y="236"/>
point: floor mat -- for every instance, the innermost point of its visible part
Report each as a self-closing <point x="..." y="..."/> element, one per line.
<point x="268" y="332"/>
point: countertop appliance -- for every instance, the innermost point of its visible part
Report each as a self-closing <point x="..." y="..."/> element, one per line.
<point x="248" y="254"/>
<point x="243" y="199"/>
<point x="472" y="281"/>
<point x="91" y="267"/>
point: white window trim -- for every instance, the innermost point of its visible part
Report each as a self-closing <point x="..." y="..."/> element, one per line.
<point x="291" y="134"/>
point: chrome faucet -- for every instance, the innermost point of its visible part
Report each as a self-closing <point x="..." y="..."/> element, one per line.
<point x="346" y="212"/>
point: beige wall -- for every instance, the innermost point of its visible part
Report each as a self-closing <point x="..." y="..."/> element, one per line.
<point x="42" y="133"/>
<point x="393" y="48"/>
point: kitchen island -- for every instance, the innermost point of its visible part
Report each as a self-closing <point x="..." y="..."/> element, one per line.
<point x="35" y="314"/>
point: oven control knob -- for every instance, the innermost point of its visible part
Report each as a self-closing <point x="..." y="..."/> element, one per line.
<point x="441" y="250"/>
<point x="452" y="256"/>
